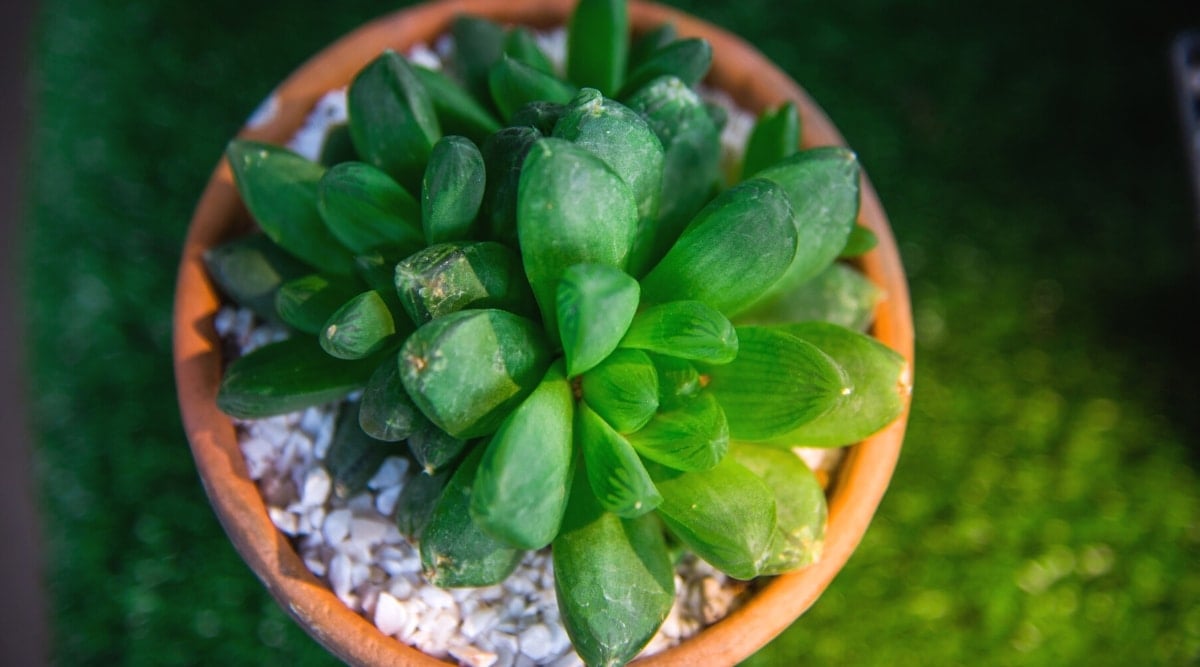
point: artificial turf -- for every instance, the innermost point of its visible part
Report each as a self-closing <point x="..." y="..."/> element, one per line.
<point x="1046" y="509"/>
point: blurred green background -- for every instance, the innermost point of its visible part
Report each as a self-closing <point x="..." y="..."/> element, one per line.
<point x="1046" y="510"/>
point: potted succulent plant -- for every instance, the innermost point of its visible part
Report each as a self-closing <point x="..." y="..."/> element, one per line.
<point x="592" y="332"/>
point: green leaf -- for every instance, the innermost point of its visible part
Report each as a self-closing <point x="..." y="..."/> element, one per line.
<point x="288" y="376"/>
<point x="379" y="273"/>
<point x="726" y="515"/>
<point x="595" y="305"/>
<point x="614" y="471"/>
<point x="521" y="46"/>
<point x="337" y="147"/>
<point x="250" y="271"/>
<point x="386" y="412"/>
<point x="418" y="499"/>
<point x="649" y="43"/>
<point x="678" y="380"/>
<point x="450" y="277"/>
<point x="623" y="389"/>
<point x="840" y="294"/>
<point x="598" y="44"/>
<point x="624" y="141"/>
<point x="279" y="188"/>
<point x="735" y="249"/>
<point x="515" y="84"/>
<point x="861" y="241"/>
<point x="433" y="448"/>
<point x="777" y="383"/>
<point x="800" y="508"/>
<point x="686" y="59"/>
<point x="361" y="327"/>
<point x="368" y="211"/>
<point x="522" y="485"/>
<point x="540" y="115"/>
<point x="504" y="155"/>
<point x="392" y="121"/>
<point x="354" y="457"/>
<point x="684" y="329"/>
<point x="306" y="303"/>
<point x="879" y="379"/>
<point x="457" y="112"/>
<point x="691" y="436"/>
<point x="452" y="191"/>
<point x="455" y="550"/>
<point x="468" y="370"/>
<point x="613" y="578"/>
<point x="692" y="154"/>
<point x="478" y="45"/>
<point x="822" y="186"/>
<point x="571" y="209"/>
<point x="776" y="135"/>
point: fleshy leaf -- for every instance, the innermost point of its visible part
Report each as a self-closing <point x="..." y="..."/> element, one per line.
<point x="417" y="500"/>
<point x="385" y="411"/>
<point x="623" y="389"/>
<point x="691" y="436"/>
<point x="250" y="270"/>
<point x="457" y="111"/>
<point x="678" y="380"/>
<point x="541" y="116"/>
<point x="455" y="551"/>
<point x="800" y="509"/>
<point x="478" y="45"/>
<point x="622" y="138"/>
<point x="515" y="84"/>
<point x="879" y="381"/>
<point x="595" y="305"/>
<point x="649" y="43"/>
<point x="392" y="121"/>
<point x="432" y="447"/>
<point x="354" y="457"/>
<point x="468" y="370"/>
<point x="521" y="46"/>
<point x="860" y="241"/>
<point x="338" y="147"/>
<point x="776" y="135"/>
<point x="504" y="154"/>
<point x="840" y="295"/>
<point x="450" y="277"/>
<point x="684" y="329"/>
<point x="571" y="209"/>
<point x="279" y="188"/>
<point x="306" y="303"/>
<point x="686" y="59"/>
<point x="361" y="327"/>
<point x="452" y="190"/>
<point x="822" y="186"/>
<point x="598" y="44"/>
<point x="726" y="515"/>
<point x="734" y="250"/>
<point x="287" y="376"/>
<point x="613" y="578"/>
<point x="522" y="485"/>
<point x="777" y="383"/>
<point x="368" y="211"/>
<point x="615" y="473"/>
<point x="691" y="162"/>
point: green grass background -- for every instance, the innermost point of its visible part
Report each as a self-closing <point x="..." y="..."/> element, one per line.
<point x="1046" y="509"/>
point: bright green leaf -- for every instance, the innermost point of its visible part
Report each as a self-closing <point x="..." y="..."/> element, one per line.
<point x="684" y="329"/>
<point x="691" y="436"/>
<point x="623" y="389"/>
<point x="776" y="135"/>
<point x="840" y="294"/>
<point x="800" y="508"/>
<point x="368" y="211"/>
<point x="361" y="327"/>
<point x="595" y="305"/>
<point x="598" y="44"/>
<point x="452" y="190"/>
<point x="515" y="84"/>
<point x="450" y="277"/>
<point x="614" y="471"/>
<point x="392" y="121"/>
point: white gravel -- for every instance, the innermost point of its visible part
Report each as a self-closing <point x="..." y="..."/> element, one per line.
<point x="354" y="545"/>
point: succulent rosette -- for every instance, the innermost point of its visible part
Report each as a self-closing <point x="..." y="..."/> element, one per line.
<point x="590" y="332"/>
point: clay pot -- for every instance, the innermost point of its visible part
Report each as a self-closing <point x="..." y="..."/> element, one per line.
<point x="754" y="84"/>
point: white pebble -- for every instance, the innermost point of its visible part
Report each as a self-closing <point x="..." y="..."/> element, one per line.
<point x="341" y="575"/>
<point x="472" y="656"/>
<point x="283" y="520"/>
<point x="368" y="530"/>
<point x="536" y="642"/>
<point x="390" y="615"/>
<point x="316" y="487"/>
<point x="436" y="597"/>
<point x="337" y="526"/>
<point x="480" y="621"/>
<point x="390" y="472"/>
<point x="385" y="502"/>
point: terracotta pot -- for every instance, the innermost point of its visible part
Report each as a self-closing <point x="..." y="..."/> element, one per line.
<point x="738" y="69"/>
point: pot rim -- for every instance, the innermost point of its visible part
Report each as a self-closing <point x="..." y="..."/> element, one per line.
<point x="739" y="70"/>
